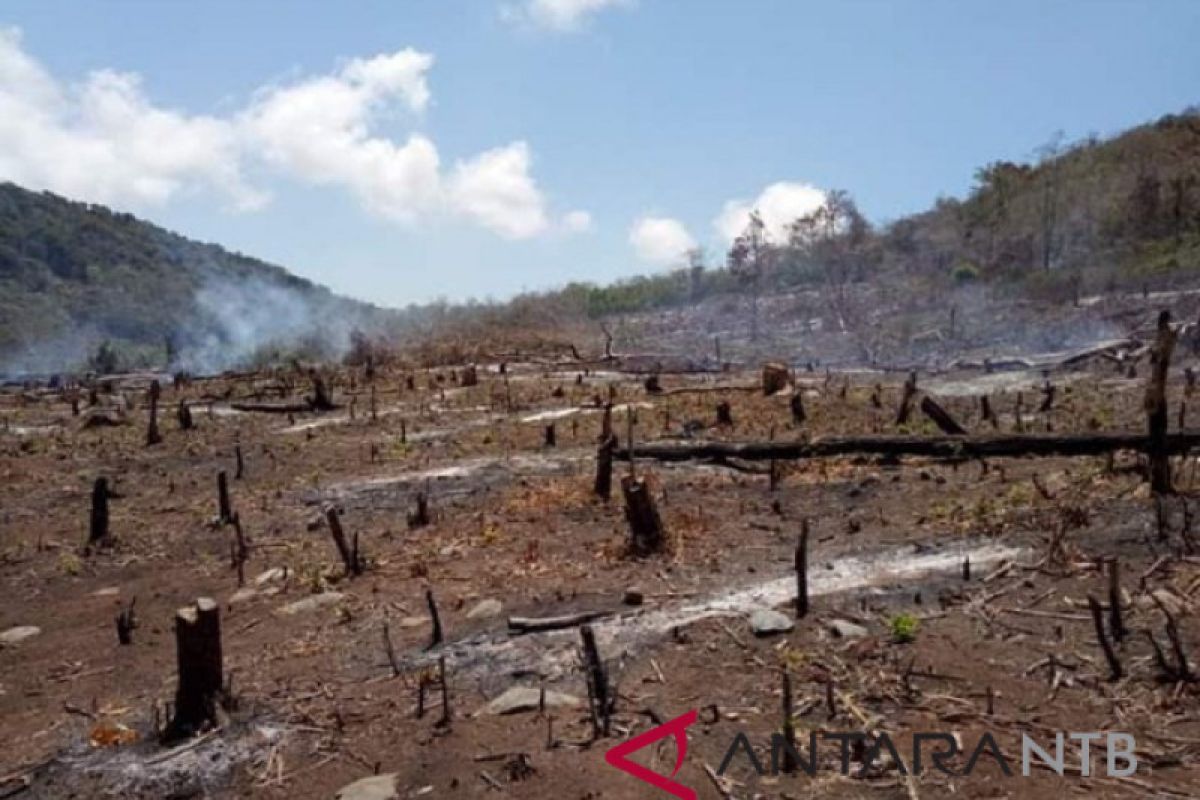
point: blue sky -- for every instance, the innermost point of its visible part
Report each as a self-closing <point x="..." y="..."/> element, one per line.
<point x="403" y="150"/>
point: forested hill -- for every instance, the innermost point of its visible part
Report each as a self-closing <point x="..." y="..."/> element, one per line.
<point x="1081" y="217"/>
<point x="74" y="276"/>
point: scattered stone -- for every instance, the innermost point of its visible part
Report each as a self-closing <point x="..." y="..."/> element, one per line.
<point x="413" y="622"/>
<point x="846" y="629"/>
<point x="486" y="609"/>
<point x="528" y="698"/>
<point x="313" y="603"/>
<point x="768" y="621"/>
<point x="107" y="591"/>
<point x="16" y="635"/>
<point x="377" y="787"/>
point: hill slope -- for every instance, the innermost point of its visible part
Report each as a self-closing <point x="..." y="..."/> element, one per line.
<point x="74" y="275"/>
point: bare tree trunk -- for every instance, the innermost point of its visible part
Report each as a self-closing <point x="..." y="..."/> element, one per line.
<point x="1156" y="406"/>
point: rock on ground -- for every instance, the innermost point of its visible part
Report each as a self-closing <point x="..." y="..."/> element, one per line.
<point x="377" y="787"/>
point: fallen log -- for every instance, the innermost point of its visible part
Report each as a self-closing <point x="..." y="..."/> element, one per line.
<point x="538" y="624"/>
<point x="273" y="408"/>
<point x="1067" y="444"/>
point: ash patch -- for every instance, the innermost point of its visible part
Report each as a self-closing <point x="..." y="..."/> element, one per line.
<point x="191" y="769"/>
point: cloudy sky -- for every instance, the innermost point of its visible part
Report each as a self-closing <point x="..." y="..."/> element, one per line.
<point x="404" y="150"/>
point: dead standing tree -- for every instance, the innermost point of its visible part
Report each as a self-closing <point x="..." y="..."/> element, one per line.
<point x="1156" y="406"/>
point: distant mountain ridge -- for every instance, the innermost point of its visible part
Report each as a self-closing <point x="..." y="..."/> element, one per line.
<point x="74" y="275"/>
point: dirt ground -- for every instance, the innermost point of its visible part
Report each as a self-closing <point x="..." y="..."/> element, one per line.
<point x="316" y="704"/>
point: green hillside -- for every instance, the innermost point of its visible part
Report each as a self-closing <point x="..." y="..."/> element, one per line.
<point x="74" y="275"/>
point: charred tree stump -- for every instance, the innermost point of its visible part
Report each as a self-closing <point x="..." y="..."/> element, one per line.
<point x="1018" y="422"/>
<point x="126" y="622"/>
<point x="550" y="436"/>
<point x="802" y="571"/>
<point x="645" y="525"/>
<point x="724" y="414"/>
<point x="985" y="411"/>
<point x="604" y="468"/>
<point x="775" y="378"/>
<point x="239" y="463"/>
<point x="224" y="509"/>
<point x="789" y="764"/>
<point x="905" y="409"/>
<point x="349" y="555"/>
<point x="447" y="717"/>
<point x="152" y="434"/>
<point x="797" y="404"/>
<point x="184" y="414"/>
<point x="1048" y="392"/>
<point x="653" y="385"/>
<point x="1189" y="377"/>
<point x="241" y="552"/>
<point x="1114" y="665"/>
<point x="436" y="636"/>
<point x="1156" y="406"/>
<point x="1115" y="621"/>
<point x="597" y="681"/>
<point x="941" y="417"/>
<point x="98" y="532"/>
<point x="320" y="400"/>
<point x="470" y="376"/>
<point x="419" y="517"/>
<point x="201" y="681"/>
<point x="877" y="396"/>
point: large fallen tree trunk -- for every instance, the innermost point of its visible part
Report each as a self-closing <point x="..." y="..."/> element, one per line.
<point x="273" y="408"/>
<point x="1077" y="444"/>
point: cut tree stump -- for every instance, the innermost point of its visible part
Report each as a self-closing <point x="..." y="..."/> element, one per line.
<point x="797" y="404"/>
<point x="201" y="675"/>
<point x="152" y="433"/>
<point x="184" y="413"/>
<point x="905" y="408"/>
<point x="99" y="521"/>
<point x="224" y="509"/>
<point x="604" y="464"/>
<point x="775" y="377"/>
<point x="645" y="524"/>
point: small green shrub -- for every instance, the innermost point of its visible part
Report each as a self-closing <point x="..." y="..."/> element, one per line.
<point x="904" y="627"/>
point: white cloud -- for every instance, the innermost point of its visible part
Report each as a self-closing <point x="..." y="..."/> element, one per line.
<point x="319" y="130"/>
<point x="660" y="240"/>
<point x="104" y="141"/>
<point x="558" y="15"/>
<point x="780" y="204"/>
<point x="577" y="222"/>
<point x="496" y="190"/>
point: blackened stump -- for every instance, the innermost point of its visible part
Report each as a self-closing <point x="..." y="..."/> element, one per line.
<point x="645" y="525"/>
<point x="201" y="676"/>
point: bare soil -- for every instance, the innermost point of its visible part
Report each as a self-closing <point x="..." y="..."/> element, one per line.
<point x="318" y="705"/>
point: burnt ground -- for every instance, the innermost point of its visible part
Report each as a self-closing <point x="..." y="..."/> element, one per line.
<point x="318" y="705"/>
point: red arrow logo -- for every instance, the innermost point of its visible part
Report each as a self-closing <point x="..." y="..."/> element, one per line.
<point x="618" y="756"/>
